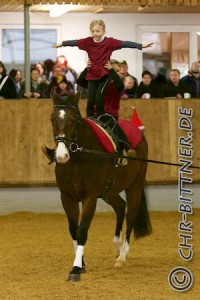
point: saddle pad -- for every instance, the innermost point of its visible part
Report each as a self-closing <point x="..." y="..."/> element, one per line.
<point x="103" y="137"/>
<point x="133" y="133"/>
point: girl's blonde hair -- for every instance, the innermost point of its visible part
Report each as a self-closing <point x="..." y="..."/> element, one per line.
<point x="98" y="22"/>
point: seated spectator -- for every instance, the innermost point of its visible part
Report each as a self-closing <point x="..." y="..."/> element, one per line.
<point x="130" y="89"/>
<point x="38" y="89"/>
<point x="49" y="64"/>
<point x="41" y="69"/>
<point x="193" y="79"/>
<point x="123" y="71"/>
<point x="160" y="78"/>
<point x="175" y="88"/>
<point x="57" y="78"/>
<point x="7" y="86"/>
<point x="69" y="73"/>
<point x="16" y="75"/>
<point x="63" y="88"/>
<point x="148" y="88"/>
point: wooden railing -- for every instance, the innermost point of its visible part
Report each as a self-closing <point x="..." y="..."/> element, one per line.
<point x="25" y="126"/>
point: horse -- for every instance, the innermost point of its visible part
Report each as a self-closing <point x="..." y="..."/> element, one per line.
<point x="82" y="176"/>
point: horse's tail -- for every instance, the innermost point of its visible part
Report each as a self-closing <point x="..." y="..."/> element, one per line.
<point x="142" y="224"/>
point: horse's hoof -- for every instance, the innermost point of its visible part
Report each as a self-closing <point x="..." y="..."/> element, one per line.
<point x="83" y="270"/>
<point x="74" y="277"/>
<point x="119" y="264"/>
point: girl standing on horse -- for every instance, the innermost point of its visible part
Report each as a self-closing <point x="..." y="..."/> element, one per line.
<point x="99" y="49"/>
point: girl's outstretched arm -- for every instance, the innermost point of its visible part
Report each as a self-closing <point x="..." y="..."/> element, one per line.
<point x="147" y="45"/>
<point x="57" y="45"/>
<point x="70" y="43"/>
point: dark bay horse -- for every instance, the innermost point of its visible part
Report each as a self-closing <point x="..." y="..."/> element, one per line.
<point x="83" y="177"/>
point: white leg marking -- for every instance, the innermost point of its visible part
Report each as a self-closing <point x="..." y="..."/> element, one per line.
<point x="62" y="153"/>
<point x="118" y="243"/>
<point x="79" y="255"/>
<point x="124" y="251"/>
<point x="123" y="254"/>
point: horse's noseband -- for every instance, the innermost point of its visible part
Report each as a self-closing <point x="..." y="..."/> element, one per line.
<point x="61" y="139"/>
<point x="74" y="138"/>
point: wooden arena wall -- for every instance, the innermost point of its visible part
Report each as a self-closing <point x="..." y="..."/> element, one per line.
<point x="25" y="126"/>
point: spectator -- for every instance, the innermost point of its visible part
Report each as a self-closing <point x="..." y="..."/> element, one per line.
<point x="41" y="69"/>
<point x="160" y="79"/>
<point x="57" y="78"/>
<point x="7" y="86"/>
<point x="16" y="75"/>
<point x="63" y="88"/>
<point x="130" y="88"/>
<point x="175" y="88"/>
<point x="49" y="64"/>
<point x="113" y="89"/>
<point x="148" y="88"/>
<point x="38" y="89"/>
<point x="123" y="71"/>
<point x="193" y="79"/>
<point x="69" y="73"/>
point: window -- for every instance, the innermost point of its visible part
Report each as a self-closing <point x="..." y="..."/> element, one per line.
<point x="176" y="46"/>
<point x="40" y="46"/>
<point x="170" y="51"/>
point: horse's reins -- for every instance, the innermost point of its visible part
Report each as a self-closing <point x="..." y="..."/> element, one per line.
<point x="110" y="155"/>
<point x="74" y="146"/>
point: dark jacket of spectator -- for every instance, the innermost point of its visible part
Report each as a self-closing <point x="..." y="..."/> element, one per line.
<point x="152" y="89"/>
<point x="175" y="87"/>
<point x="194" y="83"/>
<point x="171" y="90"/>
<point x="148" y="88"/>
<point x="16" y="75"/>
<point x="7" y="86"/>
<point x="40" y="88"/>
<point x="130" y="93"/>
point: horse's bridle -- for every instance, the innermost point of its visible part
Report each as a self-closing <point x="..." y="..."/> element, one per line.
<point x="73" y="147"/>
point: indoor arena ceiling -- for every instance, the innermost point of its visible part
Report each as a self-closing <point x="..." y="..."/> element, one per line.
<point x="106" y="6"/>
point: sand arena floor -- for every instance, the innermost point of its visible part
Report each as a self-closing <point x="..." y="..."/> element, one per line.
<point x="36" y="254"/>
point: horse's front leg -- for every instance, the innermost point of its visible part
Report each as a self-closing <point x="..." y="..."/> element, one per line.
<point x="88" y="210"/>
<point x="71" y="208"/>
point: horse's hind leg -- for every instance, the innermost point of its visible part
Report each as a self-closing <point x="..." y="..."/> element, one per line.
<point x="119" y="206"/>
<point x="133" y="197"/>
<point x="137" y="218"/>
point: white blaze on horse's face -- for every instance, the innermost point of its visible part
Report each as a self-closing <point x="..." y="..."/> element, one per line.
<point x="62" y="153"/>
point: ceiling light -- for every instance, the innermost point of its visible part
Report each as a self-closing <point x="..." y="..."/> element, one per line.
<point x="57" y="10"/>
